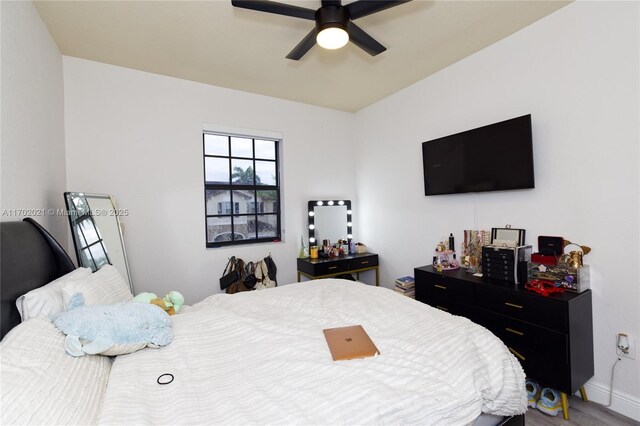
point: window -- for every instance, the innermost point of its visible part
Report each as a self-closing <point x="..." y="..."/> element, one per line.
<point x="241" y="189"/>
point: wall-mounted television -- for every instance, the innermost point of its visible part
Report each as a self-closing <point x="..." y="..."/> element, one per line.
<point x="496" y="157"/>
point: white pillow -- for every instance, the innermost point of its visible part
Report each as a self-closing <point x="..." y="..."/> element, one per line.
<point x="41" y="384"/>
<point x="104" y="287"/>
<point x="47" y="300"/>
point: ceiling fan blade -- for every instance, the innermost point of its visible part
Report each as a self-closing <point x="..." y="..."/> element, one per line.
<point x="331" y="2"/>
<point x="277" y="8"/>
<point x="363" y="40"/>
<point x="361" y="8"/>
<point x="304" y="46"/>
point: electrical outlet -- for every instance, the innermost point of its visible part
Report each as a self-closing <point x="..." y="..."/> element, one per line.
<point x="622" y="340"/>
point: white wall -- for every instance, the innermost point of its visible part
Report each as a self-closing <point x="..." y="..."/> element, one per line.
<point x="138" y="136"/>
<point x="32" y="121"/>
<point x="576" y="71"/>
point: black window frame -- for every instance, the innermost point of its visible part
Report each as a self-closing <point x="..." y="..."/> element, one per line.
<point x="231" y="187"/>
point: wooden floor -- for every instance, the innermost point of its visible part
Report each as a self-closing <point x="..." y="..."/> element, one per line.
<point x="580" y="413"/>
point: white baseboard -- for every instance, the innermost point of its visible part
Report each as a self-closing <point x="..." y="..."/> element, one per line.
<point x="620" y="403"/>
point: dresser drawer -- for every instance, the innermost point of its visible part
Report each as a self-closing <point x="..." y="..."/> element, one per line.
<point x="363" y="262"/>
<point x="536" y="310"/>
<point x="550" y="345"/>
<point x="445" y="303"/>
<point x="445" y="293"/>
<point x="548" y="371"/>
<point x="449" y="289"/>
<point x="330" y="268"/>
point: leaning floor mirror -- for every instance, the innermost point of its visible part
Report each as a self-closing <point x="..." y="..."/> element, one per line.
<point x="97" y="235"/>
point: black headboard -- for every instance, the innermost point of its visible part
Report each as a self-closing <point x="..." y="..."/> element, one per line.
<point x="29" y="258"/>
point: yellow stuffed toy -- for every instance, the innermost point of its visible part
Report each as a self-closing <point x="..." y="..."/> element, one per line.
<point x="171" y="303"/>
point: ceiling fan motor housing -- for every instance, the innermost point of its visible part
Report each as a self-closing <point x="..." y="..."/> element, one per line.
<point x="332" y="16"/>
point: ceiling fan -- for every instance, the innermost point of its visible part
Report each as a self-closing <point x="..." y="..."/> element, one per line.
<point x="334" y="22"/>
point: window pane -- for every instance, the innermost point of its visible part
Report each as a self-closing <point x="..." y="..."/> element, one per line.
<point x="268" y="201"/>
<point x="216" y="199"/>
<point x="219" y="229"/>
<point x="89" y="231"/>
<point x="242" y="172"/>
<point x="245" y="225"/>
<point x="216" y="145"/>
<point x="241" y="147"/>
<point x="99" y="255"/>
<point x="216" y="170"/>
<point x="267" y="225"/>
<point x="246" y="201"/>
<point x="265" y="149"/>
<point x="265" y="172"/>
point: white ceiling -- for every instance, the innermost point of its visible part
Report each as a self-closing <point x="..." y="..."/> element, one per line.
<point x="215" y="43"/>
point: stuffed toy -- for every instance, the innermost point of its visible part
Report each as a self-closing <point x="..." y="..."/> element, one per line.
<point x="111" y="330"/>
<point x="171" y="303"/>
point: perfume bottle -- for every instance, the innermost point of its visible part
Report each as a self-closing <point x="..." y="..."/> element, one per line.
<point x="303" y="250"/>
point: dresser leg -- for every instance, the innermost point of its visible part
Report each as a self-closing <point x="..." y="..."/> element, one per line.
<point x="583" y="394"/>
<point x="565" y="405"/>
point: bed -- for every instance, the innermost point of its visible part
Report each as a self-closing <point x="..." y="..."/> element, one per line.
<point x="260" y="358"/>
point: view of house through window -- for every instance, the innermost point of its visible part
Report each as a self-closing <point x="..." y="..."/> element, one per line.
<point x="242" y="190"/>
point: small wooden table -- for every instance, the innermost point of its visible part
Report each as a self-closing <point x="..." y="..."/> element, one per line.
<point x="328" y="267"/>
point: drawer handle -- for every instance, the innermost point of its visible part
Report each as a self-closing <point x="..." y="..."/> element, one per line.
<point x="511" y="330"/>
<point x="513" y="305"/>
<point x="364" y="262"/>
<point x="332" y="267"/>
<point x="513" y="351"/>
<point x="442" y="308"/>
<point x="440" y="286"/>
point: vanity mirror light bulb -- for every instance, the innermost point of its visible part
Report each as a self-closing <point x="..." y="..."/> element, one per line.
<point x="349" y="236"/>
<point x="311" y="214"/>
<point x="340" y="203"/>
<point x="349" y="224"/>
<point x="330" y="203"/>
<point x="348" y="211"/>
<point x="312" y="240"/>
<point x="312" y="227"/>
<point x="319" y="203"/>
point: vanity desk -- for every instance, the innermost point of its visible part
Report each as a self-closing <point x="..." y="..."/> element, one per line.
<point x="329" y="267"/>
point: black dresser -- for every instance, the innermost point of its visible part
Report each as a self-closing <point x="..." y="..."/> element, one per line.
<point x="326" y="267"/>
<point x="551" y="336"/>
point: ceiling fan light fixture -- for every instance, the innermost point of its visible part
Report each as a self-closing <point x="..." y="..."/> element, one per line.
<point x="332" y="37"/>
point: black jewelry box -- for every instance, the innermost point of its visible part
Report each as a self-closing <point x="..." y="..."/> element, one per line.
<point x="550" y="246"/>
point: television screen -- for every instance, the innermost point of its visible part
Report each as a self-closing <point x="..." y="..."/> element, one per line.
<point x="491" y="158"/>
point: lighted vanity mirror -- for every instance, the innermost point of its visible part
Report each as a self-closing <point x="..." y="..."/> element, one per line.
<point x="329" y="220"/>
<point x="96" y="231"/>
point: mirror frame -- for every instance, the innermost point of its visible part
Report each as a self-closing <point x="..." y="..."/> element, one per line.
<point x="311" y="216"/>
<point x="71" y="213"/>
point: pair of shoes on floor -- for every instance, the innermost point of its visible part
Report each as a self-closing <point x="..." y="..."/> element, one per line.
<point x="546" y="400"/>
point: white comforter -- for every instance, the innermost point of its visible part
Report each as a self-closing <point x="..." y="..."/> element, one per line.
<point x="261" y="358"/>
